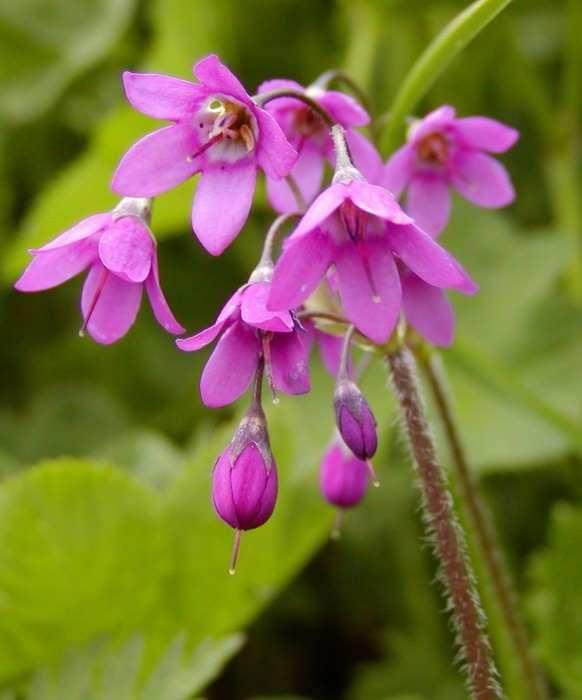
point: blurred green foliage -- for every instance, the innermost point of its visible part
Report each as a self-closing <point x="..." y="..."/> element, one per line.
<point x="112" y="565"/>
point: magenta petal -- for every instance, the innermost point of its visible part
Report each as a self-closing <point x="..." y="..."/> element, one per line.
<point x="429" y="202"/>
<point x="330" y="349"/>
<point x="85" y="228"/>
<point x="218" y="78"/>
<point x="222" y="203"/>
<point x="109" y="304"/>
<point x="373" y="312"/>
<point x="398" y="170"/>
<point x="53" y="267"/>
<point x="279" y="84"/>
<point x="307" y="173"/>
<point x="482" y="180"/>
<point x="162" y="96"/>
<point x="366" y="158"/>
<point x="126" y="248"/>
<point x="486" y="134"/>
<point x="231" y="366"/>
<point x="299" y="270"/>
<point x="157" y="162"/>
<point x="427" y="309"/>
<point x="290" y="362"/>
<point x="275" y="154"/>
<point x="428" y="259"/>
<point x="344" y="109"/>
<point x="162" y="311"/>
<point x="324" y="205"/>
<point x="201" y="339"/>
<point x="254" y="310"/>
<point x="439" y="119"/>
<point x="377" y="201"/>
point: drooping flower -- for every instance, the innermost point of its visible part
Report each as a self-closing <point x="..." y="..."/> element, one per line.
<point x="361" y="230"/>
<point x="308" y="133"/>
<point x="217" y="130"/>
<point x="119" y="251"/>
<point x="354" y="419"/>
<point x="248" y="332"/>
<point x="445" y="152"/>
<point x="343" y="478"/>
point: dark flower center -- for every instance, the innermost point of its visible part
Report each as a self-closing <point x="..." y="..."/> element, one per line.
<point x="433" y="149"/>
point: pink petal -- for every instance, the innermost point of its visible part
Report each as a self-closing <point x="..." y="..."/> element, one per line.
<point x="427" y="309"/>
<point x="290" y="363"/>
<point x="201" y="339"/>
<point x="157" y="162"/>
<point x="275" y="154"/>
<point x="162" y="96"/>
<point x="218" y="78"/>
<point x="255" y="313"/>
<point x="482" y="180"/>
<point x="366" y="158"/>
<point x="377" y="201"/>
<point x="486" y="134"/>
<point x="110" y="303"/>
<point x="343" y="108"/>
<point x="428" y="259"/>
<point x="299" y="270"/>
<point x="85" y="228"/>
<point x="324" y="205"/>
<point x="307" y="173"/>
<point x="53" y="267"/>
<point x="398" y="170"/>
<point x="373" y="312"/>
<point x="162" y="311"/>
<point x="126" y="248"/>
<point x="439" y="119"/>
<point x="429" y="202"/>
<point x="279" y="84"/>
<point x="222" y="203"/>
<point x="231" y="366"/>
<point x="330" y="349"/>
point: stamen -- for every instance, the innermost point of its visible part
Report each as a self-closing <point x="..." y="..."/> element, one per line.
<point x="247" y="136"/>
<point x="266" y="343"/>
<point x="96" y="297"/>
<point x="363" y="252"/>
<point x="235" y="552"/>
<point x="372" y="473"/>
<point x="211" y="141"/>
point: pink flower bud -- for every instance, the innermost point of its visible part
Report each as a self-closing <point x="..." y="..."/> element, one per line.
<point x="343" y="477"/>
<point x="355" y="421"/>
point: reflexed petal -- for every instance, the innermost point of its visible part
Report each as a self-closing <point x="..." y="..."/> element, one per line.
<point x="324" y="205"/>
<point x="482" y="180"/>
<point x="307" y="173"/>
<point x="429" y="202"/>
<point x="53" y="267"/>
<point x="275" y="154"/>
<point x="299" y="270"/>
<point x="486" y="134"/>
<point x="162" y="96"/>
<point x="428" y="259"/>
<point x="157" y="162"/>
<point x="218" y="78"/>
<point x="255" y="313"/>
<point x="126" y="248"/>
<point x="201" y="339"/>
<point x="366" y="158"/>
<point x="162" y="311"/>
<point x="110" y="303"/>
<point x="374" y="313"/>
<point x="85" y="228"/>
<point x="222" y="203"/>
<point x="343" y="108"/>
<point x="427" y="309"/>
<point x="377" y="201"/>
<point x="290" y="362"/>
<point x="231" y="366"/>
<point x="398" y="170"/>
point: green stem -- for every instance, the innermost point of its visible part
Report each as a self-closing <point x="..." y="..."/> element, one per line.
<point x="440" y="52"/>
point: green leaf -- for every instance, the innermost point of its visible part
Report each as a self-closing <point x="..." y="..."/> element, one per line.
<point x="80" y="554"/>
<point x="44" y="46"/>
<point x="555" y="603"/>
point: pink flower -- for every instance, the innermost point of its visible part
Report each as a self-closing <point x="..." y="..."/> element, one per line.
<point x="361" y="230"/>
<point x="216" y="129"/>
<point x="343" y="478"/>
<point x="308" y="133"/>
<point x="354" y="419"/>
<point x="444" y="152"/>
<point x="119" y="251"/>
<point x="248" y="329"/>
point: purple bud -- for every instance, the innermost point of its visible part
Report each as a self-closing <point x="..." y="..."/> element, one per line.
<point x="355" y="421"/>
<point x="343" y="477"/>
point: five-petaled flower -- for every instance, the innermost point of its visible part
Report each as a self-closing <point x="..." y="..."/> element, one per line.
<point x="119" y="251"/>
<point x="217" y="130"/>
<point x="443" y="152"/>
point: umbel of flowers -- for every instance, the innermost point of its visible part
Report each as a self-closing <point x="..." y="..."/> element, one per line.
<point x="355" y="242"/>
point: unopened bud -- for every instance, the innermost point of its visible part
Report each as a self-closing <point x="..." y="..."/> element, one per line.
<point x="343" y="478"/>
<point x="355" y="421"/>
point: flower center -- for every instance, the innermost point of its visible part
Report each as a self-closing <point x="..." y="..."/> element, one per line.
<point x="433" y="149"/>
<point x="228" y="130"/>
<point x="306" y="122"/>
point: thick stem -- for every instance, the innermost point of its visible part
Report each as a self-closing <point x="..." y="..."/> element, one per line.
<point x="483" y="526"/>
<point x="445" y="534"/>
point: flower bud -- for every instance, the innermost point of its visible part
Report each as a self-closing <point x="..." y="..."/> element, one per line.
<point x="343" y="478"/>
<point x="355" y="421"/>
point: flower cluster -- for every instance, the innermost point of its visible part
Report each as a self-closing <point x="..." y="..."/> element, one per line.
<point x="374" y="260"/>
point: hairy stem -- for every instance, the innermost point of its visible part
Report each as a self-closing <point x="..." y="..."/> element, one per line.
<point x="446" y="536"/>
<point x="483" y="526"/>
